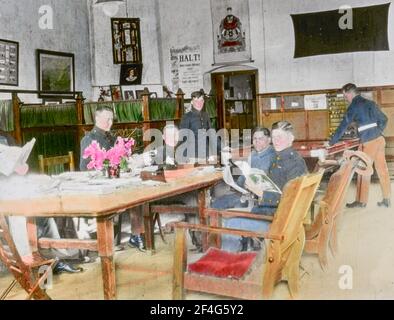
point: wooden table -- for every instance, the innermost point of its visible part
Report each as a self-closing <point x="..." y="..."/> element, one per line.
<point x="306" y="148"/>
<point x="104" y="207"/>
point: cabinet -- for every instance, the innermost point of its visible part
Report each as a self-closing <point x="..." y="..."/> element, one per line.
<point x="239" y="114"/>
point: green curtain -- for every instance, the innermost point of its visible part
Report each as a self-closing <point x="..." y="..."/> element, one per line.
<point x="48" y="116"/>
<point x="49" y="144"/>
<point x="124" y="111"/>
<point x="162" y="109"/>
<point x="6" y="115"/>
<point x="128" y="111"/>
<point x="210" y="105"/>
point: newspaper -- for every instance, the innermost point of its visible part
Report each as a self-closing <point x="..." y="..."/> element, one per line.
<point x="258" y="176"/>
<point x="13" y="157"/>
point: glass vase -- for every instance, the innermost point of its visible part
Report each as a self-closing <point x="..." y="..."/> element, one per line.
<point x="113" y="172"/>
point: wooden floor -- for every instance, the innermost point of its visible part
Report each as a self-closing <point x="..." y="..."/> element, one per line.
<point x="366" y="249"/>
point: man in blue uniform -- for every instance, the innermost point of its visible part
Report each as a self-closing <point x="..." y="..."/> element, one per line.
<point x="261" y="158"/>
<point x="371" y="122"/>
<point x="287" y="164"/>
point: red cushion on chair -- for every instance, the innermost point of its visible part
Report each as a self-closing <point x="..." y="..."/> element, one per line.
<point x="220" y="263"/>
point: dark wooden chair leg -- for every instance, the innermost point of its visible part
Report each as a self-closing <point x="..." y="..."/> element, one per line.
<point x="118" y="232"/>
<point x="156" y="218"/>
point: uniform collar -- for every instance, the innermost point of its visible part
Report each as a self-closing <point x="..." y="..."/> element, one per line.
<point x="194" y="110"/>
<point x="268" y="148"/>
<point x="100" y="131"/>
<point x="356" y="98"/>
<point x="286" y="152"/>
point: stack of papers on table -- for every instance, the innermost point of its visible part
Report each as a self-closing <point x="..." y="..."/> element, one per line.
<point x="93" y="182"/>
<point x="29" y="186"/>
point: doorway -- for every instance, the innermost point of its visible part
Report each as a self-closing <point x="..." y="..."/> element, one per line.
<point x="236" y="99"/>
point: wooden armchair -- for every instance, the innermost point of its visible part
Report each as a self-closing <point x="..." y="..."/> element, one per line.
<point x="322" y="233"/>
<point x="284" y="243"/>
<point x="24" y="269"/>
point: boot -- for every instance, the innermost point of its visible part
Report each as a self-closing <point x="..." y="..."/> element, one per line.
<point x="356" y="204"/>
<point x="384" y="203"/>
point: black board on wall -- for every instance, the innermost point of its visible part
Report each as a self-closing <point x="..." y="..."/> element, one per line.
<point x="319" y="33"/>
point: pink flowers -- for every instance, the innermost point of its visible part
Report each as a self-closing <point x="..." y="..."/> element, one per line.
<point x="116" y="156"/>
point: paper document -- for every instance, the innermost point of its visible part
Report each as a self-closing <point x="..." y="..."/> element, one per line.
<point x="258" y="176"/>
<point x="13" y="157"/>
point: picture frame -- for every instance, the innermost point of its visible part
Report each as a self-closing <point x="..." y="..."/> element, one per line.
<point x="138" y="94"/>
<point x="130" y="74"/>
<point x="104" y="94"/>
<point x="116" y="92"/>
<point x="128" y="95"/>
<point x="56" y="72"/>
<point x="126" y="40"/>
<point x="9" y="62"/>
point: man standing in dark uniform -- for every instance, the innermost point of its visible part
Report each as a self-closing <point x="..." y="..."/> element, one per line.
<point x="194" y="126"/>
<point x="371" y="122"/>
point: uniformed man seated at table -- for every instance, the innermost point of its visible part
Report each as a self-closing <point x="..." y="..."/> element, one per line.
<point x="287" y="164"/>
<point x="165" y="155"/>
<point x="261" y="158"/>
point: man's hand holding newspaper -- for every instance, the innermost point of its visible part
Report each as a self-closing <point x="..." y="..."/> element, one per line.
<point x="254" y="187"/>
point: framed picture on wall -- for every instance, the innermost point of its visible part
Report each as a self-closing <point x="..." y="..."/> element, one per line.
<point x="126" y="40"/>
<point x="130" y="74"/>
<point x="9" y="62"/>
<point x="138" y="94"/>
<point x="128" y="94"/>
<point x="116" y="93"/>
<point x="55" y="72"/>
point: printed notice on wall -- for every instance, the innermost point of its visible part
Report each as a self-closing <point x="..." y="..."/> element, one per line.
<point x="186" y="69"/>
<point x="315" y="102"/>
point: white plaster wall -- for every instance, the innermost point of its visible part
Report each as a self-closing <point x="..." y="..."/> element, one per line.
<point x="186" y="22"/>
<point x="272" y="41"/>
<point x="104" y="72"/>
<point x="70" y="33"/>
<point x="284" y="73"/>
